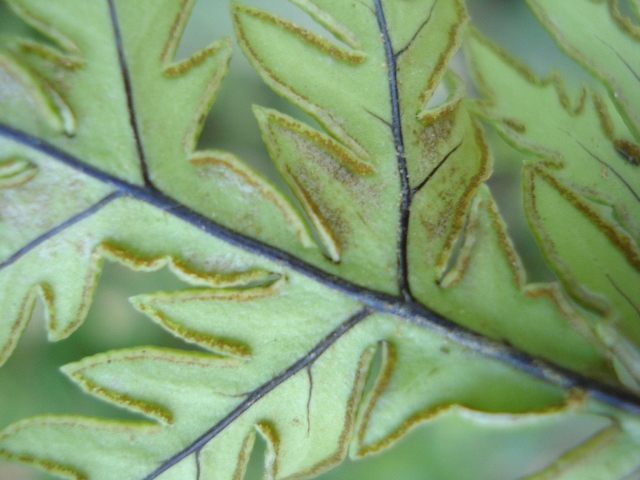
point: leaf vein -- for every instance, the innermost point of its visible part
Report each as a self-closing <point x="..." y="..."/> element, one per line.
<point x="613" y="170"/>
<point x="399" y="53"/>
<point x="408" y="310"/>
<point x="398" y="138"/>
<point x="128" y="88"/>
<point x="59" y="228"/>
<point x="263" y="390"/>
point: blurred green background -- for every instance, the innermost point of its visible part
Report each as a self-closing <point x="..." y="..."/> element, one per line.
<point x="450" y="448"/>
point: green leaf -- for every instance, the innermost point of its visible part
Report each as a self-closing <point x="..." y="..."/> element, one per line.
<point x="610" y="53"/>
<point x="44" y="204"/>
<point x="611" y="453"/>
<point x="443" y="166"/>
<point x="580" y="179"/>
<point x="581" y="190"/>
<point x="322" y="349"/>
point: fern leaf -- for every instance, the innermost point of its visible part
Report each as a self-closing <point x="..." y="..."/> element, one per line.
<point x="441" y="162"/>
<point x="584" y="174"/>
<point x="611" y="54"/>
<point x="580" y="179"/>
<point x="610" y="454"/>
<point x="78" y="189"/>
<point x="99" y="162"/>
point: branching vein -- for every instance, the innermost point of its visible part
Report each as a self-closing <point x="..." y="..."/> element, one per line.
<point x="417" y="188"/>
<point x="409" y="310"/>
<point x="403" y="305"/>
<point x="261" y="391"/>
<point x="621" y="58"/>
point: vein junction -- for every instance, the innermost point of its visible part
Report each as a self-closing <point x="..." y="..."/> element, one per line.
<point x="403" y="305"/>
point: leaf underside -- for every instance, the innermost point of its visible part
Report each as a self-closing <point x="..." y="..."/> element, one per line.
<point x="332" y="323"/>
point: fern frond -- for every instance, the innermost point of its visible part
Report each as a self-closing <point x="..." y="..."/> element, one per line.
<point x="99" y="161"/>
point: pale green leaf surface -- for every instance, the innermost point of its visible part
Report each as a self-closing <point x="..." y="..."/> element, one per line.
<point x="98" y="89"/>
<point x="276" y="47"/>
<point x="488" y="272"/>
<point x="65" y="268"/>
<point x="208" y="181"/>
<point x="187" y="391"/>
<point x="610" y="52"/>
<point x="318" y="169"/>
<point x="18" y="83"/>
<point x="587" y="184"/>
<point x="392" y="187"/>
<point x="612" y="454"/>
<point x="16" y="171"/>
<point x="80" y="64"/>
<point x="601" y="274"/>
<point x="58" y="194"/>
<point x="581" y="197"/>
<point x="580" y="133"/>
<point x="359" y="118"/>
<point x="348" y="196"/>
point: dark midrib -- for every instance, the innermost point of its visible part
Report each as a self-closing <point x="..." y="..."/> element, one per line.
<point x="261" y="391"/>
<point x="128" y="89"/>
<point x="409" y="310"/>
<point x="375" y="302"/>
<point x="398" y="140"/>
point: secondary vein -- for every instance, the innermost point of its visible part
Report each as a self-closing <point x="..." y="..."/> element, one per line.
<point x="261" y="391"/>
<point x="128" y="88"/>
<point x="59" y="228"/>
<point x="403" y="306"/>
<point x="409" y="310"/>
